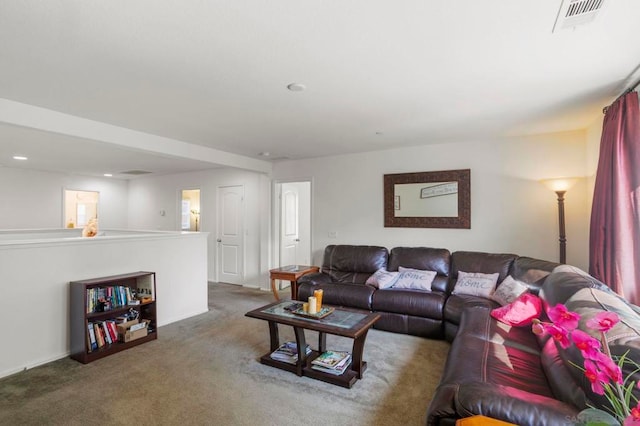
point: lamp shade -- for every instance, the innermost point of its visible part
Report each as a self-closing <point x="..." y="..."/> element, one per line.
<point x="560" y="184"/>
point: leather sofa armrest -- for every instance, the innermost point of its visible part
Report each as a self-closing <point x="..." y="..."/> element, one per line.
<point x="314" y="278"/>
<point x="512" y="405"/>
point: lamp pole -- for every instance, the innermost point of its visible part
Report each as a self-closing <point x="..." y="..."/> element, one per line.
<point x="563" y="237"/>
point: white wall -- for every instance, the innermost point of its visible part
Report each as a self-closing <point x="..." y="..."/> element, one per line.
<point x="34" y="199"/>
<point x="42" y="289"/>
<point x="148" y="196"/>
<point x="510" y="210"/>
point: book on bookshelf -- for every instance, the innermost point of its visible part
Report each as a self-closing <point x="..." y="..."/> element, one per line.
<point x="92" y="344"/>
<point x="331" y="359"/>
<point x="288" y="352"/>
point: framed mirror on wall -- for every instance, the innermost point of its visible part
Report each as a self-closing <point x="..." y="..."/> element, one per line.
<point x="440" y="199"/>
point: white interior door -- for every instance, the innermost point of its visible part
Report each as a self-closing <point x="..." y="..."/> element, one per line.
<point x="289" y="237"/>
<point x="230" y="239"/>
<point x="295" y="223"/>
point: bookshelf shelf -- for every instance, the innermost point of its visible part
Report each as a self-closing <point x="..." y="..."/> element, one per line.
<point x="89" y="312"/>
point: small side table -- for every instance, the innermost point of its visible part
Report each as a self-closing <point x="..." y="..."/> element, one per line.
<point x="290" y="273"/>
<point x="481" y="421"/>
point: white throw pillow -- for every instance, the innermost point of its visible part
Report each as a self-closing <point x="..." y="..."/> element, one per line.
<point x="414" y="278"/>
<point x="476" y="283"/>
<point x="509" y="290"/>
<point x="382" y="278"/>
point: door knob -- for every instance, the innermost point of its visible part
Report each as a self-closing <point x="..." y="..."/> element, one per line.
<point x="297" y="240"/>
<point x="219" y="240"/>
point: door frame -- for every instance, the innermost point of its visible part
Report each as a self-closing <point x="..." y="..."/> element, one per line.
<point x="179" y="205"/>
<point x="277" y="219"/>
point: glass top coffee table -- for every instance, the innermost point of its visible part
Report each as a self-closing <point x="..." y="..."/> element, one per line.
<point x="341" y="322"/>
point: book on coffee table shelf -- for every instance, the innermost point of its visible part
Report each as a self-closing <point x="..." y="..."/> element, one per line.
<point x="332" y="362"/>
<point x="288" y="352"/>
<point x="331" y="359"/>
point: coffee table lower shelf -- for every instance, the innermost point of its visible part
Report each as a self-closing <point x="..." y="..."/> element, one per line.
<point x="346" y="379"/>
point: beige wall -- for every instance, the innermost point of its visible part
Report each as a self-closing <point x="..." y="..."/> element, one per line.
<point x="511" y="211"/>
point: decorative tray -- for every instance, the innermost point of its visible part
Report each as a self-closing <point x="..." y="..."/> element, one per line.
<point x="321" y="314"/>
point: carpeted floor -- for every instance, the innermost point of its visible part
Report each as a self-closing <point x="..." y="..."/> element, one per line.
<point x="204" y="371"/>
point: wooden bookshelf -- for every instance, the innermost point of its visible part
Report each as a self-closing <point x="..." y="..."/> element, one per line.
<point x="84" y="311"/>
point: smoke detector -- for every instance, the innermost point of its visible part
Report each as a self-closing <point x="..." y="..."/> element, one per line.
<point x="573" y="13"/>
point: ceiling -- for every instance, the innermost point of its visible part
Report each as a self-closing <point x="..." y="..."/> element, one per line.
<point x="379" y="74"/>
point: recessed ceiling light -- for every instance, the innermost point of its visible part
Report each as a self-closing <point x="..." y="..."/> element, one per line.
<point x="379" y="133"/>
<point x="19" y="157"/>
<point x="296" y="87"/>
<point x="107" y="175"/>
<point x="264" y="154"/>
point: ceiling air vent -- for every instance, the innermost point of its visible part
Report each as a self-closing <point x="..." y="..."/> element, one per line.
<point x="135" y="172"/>
<point x="573" y="13"/>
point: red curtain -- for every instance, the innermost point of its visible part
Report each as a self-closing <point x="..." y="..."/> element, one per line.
<point x="614" y="240"/>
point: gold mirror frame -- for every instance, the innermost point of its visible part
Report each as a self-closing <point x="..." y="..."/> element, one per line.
<point x="463" y="220"/>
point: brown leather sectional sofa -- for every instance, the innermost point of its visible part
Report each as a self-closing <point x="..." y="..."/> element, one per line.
<point x="492" y="369"/>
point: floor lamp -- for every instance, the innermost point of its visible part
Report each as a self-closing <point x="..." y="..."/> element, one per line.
<point x="560" y="186"/>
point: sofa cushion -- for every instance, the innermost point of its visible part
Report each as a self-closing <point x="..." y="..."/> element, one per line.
<point x="353" y="264"/>
<point x="487" y="263"/>
<point x="424" y="258"/>
<point x="456" y="304"/>
<point x="428" y="304"/>
<point x="531" y="271"/>
<point x="475" y="283"/>
<point x="520" y="312"/>
<point x="382" y="278"/>
<point x="560" y="286"/>
<point x="414" y="278"/>
<point x="508" y="291"/>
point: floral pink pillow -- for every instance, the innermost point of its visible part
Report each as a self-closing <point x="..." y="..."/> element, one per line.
<point x="520" y="312"/>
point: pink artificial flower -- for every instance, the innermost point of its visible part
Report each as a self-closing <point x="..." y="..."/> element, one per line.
<point x="564" y="318"/>
<point x="609" y="368"/>
<point x="538" y="329"/>
<point x="634" y="418"/>
<point x="589" y="346"/>
<point x="596" y="377"/>
<point x="604" y="321"/>
<point x="559" y="334"/>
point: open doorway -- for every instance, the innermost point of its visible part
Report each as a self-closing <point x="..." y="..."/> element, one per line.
<point x="190" y="210"/>
<point x="293" y="223"/>
<point x="80" y="207"/>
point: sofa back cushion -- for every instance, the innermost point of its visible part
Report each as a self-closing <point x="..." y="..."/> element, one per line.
<point x="486" y="263"/>
<point x="531" y="271"/>
<point x="423" y="258"/>
<point x="353" y="264"/>
<point x="559" y="286"/>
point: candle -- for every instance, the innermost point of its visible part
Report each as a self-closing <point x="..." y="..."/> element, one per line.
<point x="312" y="305"/>
<point x="305" y="307"/>
<point x="318" y="295"/>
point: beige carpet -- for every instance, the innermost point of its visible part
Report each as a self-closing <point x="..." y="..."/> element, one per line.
<point x="204" y="371"/>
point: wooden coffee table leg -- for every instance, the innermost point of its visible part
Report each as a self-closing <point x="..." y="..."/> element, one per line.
<point x="294" y="290"/>
<point x="273" y="335"/>
<point x="302" y="346"/>
<point x="274" y="290"/>
<point x="322" y="342"/>
<point x="357" y="364"/>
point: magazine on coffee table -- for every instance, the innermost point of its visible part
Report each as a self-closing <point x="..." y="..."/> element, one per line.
<point x="331" y="359"/>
